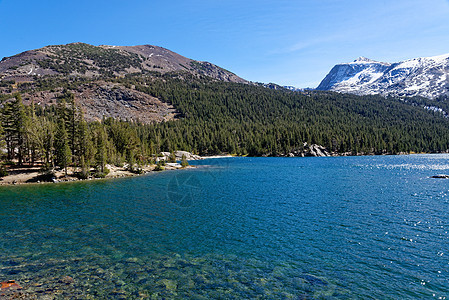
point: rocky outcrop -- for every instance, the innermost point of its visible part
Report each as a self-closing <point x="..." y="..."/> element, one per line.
<point x="310" y="150"/>
<point x="179" y="154"/>
<point x="102" y="99"/>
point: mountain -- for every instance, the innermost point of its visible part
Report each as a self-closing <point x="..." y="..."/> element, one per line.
<point x="427" y="77"/>
<point x="178" y="103"/>
<point x="79" y="59"/>
<point x="90" y="74"/>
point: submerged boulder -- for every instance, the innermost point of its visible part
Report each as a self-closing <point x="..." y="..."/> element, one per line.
<point x="9" y="285"/>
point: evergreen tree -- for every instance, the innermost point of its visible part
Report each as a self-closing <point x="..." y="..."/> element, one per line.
<point x="172" y="157"/>
<point x="63" y="152"/>
<point x="7" y="121"/>
<point x="100" y="156"/>
<point x="85" y="169"/>
<point x="20" y="127"/>
<point x="48" y="142"/>
<point x="2" y="139"/>
<point x="86" y="145"/>
<point x="34" y="134"/>
<point x="184" y="162"/>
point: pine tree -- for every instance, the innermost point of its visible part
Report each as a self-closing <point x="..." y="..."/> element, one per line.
<point x="72" y="120"/>
<point x="34" y="134"/>
<point x="184" y="162"/>
<point x="7" y="120"/>
<point x="19" y="127"/>
<point x="84" y="168"/>
<point x="172" y="157"/>
<point x="63" y="152"/>
<point x="100" y="155"/>
<point x="2" y="139"/>
<point x="48" y="142"/>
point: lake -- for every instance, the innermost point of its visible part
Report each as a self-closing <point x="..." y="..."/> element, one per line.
<point x="270" y="228"/>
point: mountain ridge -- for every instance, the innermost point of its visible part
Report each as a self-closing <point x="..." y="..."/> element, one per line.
<point x="81" y="59"/>
<point x="424" y="76"/>
<point x="90" y="73"/>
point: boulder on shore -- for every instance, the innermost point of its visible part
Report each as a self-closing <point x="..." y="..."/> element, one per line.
<point x="315" y="150"/>
<point x="179" y="154"/>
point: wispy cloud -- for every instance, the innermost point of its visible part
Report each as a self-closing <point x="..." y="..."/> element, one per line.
<point x="310" y="43"/>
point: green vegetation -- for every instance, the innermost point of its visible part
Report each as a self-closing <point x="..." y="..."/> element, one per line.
<point x="3" y="171"/>
<point x="80" y="58"/>
<point x="241" y="119"/>
<point x="215" y="118"/>
<point x="160" y="166"/>
<point x="172" y="158"/>
<point x="60" y="137"/>
<point x="184" y="162"/>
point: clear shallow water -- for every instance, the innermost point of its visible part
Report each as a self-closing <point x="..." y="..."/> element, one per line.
<point x="307" y="228"/>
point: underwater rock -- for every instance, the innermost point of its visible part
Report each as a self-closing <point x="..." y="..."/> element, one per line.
<point x="10" y="284"/>
<point x="168" y="284"/>
<point x="67" y="280"/>
<point x="313" y="280"/>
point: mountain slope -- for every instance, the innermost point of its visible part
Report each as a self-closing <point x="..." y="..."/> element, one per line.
<point x="79" y="59"/>
<point x="185" y="110"/>
<point x="45" y="75"/>
<point x="427" y="77"/>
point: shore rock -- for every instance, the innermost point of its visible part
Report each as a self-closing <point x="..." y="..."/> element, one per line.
<point x="311" y="150"/>
<point x="179" y="154"/>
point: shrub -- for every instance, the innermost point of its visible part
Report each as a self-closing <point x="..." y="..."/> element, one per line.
<point x="172" y="158"/>
<point x="47" y="173"/>
<point x="99" y="174"/>
<point x="159" y="167"/>
<point x="85" y="170"/>
<point x="3" y="171"/>
<point x="184" y="162"/>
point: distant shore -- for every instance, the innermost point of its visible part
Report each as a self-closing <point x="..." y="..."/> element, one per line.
<point x="217" y="156"/>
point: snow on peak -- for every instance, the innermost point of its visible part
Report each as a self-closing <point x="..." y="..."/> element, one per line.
<point x="423" y="76"/>
<point x="363" y="59"/>
<point x="440" y="58"/>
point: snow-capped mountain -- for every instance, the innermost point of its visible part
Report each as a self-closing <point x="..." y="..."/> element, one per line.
<point x="426" y="76"/>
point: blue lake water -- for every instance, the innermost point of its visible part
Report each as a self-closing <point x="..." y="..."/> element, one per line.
<point x="268" y="228"/>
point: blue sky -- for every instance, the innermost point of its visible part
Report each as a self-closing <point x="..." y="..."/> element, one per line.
<point x="286" y="42"/>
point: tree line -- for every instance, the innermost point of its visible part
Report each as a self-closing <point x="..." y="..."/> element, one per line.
<point x="59" y="136"/>
<point x="215" y="117"/>
<point x="244" y="119"/>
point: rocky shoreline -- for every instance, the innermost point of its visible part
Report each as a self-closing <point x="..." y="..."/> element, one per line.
<point x="31" y="175"/>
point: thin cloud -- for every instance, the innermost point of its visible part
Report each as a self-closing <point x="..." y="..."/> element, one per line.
<point x="302" y="45"/>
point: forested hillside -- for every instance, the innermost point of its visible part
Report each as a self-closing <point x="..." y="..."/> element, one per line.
<point x="215" y="117"/>
<point x="226" y="117"/>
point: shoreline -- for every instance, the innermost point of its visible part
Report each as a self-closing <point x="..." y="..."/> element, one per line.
<point x="27" y="175"/>
<point x="218" y="156"/>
